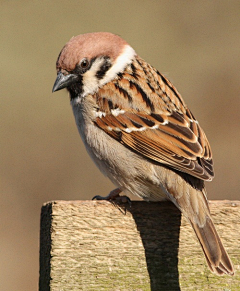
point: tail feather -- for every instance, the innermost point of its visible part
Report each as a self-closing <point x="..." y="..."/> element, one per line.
<point x="215" y="253"/>
<point x="189" y="195"/>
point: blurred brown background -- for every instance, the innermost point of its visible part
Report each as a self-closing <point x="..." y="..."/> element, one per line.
<point x="196" y="44"/>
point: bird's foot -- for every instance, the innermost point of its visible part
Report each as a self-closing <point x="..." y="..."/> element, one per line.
<point x="114" y="196"/>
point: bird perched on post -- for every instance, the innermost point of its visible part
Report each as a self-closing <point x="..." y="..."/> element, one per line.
<point x="139" y="131"/>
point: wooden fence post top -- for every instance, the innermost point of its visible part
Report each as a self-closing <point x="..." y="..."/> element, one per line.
<point x="98" y="245"/>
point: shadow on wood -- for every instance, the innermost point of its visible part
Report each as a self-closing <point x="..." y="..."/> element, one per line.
<point x="160" y="244"/>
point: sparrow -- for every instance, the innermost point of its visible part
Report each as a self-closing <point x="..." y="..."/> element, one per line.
<point x="139" y="132"/>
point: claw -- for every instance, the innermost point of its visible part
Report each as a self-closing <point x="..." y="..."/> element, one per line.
<point x="114" y="196"/>
<point x="111" y="196"/>
<point x="98" y="197"/>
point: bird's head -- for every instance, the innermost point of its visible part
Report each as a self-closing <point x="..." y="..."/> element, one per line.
<point x="89" y="61"/>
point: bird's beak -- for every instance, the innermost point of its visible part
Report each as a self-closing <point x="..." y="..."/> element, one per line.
<point x="63" y="81"/>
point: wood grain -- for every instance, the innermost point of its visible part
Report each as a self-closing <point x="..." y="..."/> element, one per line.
<point x="97" y="245"/>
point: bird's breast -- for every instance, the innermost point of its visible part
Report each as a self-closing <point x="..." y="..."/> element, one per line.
<point x="123" y="167"/>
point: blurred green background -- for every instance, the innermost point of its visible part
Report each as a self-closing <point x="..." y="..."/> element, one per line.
<point x="196" y="44"/>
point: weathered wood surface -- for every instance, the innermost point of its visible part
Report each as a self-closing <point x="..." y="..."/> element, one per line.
<point x="95" y="245"/>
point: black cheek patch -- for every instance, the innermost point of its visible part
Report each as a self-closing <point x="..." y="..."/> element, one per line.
<point x="103" y="69"/>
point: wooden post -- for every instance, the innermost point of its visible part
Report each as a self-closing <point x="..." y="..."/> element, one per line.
<point x="97" y="245"/>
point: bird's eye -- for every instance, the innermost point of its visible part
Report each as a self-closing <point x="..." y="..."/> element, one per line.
<point x="84" y="63"/>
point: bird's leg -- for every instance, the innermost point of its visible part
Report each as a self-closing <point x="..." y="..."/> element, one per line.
<point x="113" y="195"/>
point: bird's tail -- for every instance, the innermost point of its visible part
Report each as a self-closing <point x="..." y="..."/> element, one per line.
<point x="189" y="195"/>
<point x="216" y="256"/>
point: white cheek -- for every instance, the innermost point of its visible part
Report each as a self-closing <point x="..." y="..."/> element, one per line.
<point x="90" y="82"/>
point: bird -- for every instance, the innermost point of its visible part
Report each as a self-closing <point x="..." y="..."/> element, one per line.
<point x="139" y="132"/>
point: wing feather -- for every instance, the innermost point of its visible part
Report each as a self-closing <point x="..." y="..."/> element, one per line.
<point x="161" y="129"/>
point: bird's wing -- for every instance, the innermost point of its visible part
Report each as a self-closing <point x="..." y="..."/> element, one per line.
<point x="164" y="132"/>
